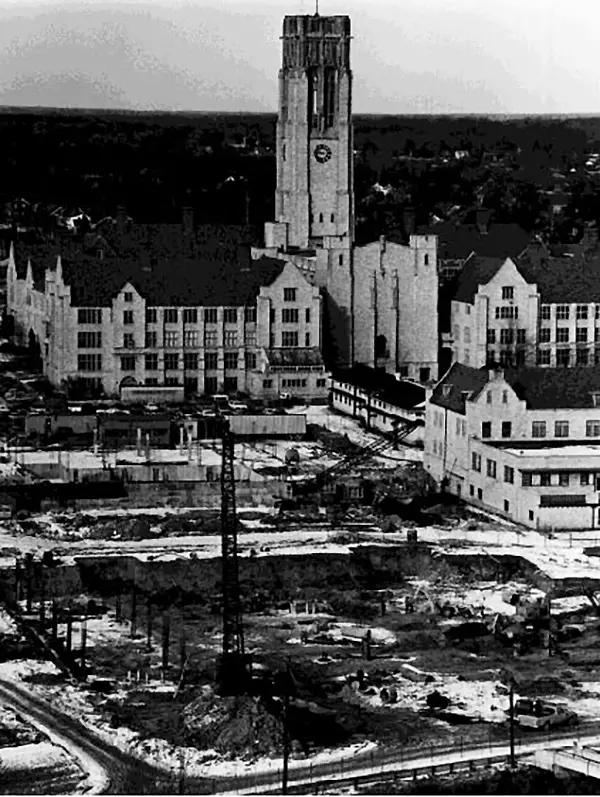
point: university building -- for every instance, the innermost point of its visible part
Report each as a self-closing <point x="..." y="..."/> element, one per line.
<point x="521" y="443"/>
<point x="381" y="298"/>
<point x="212" y="324"/>
<point x="527" y="312"/>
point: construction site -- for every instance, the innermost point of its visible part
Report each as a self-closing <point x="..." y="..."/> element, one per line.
<point x="320" y="605"/>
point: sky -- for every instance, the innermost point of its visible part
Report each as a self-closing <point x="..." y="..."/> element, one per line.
<point x="408" y="56"/>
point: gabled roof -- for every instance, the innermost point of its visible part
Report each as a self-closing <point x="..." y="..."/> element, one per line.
<point x="559" y="279"/>
<point x="383" y="386"/>
<point x="458" y="384"/>
<point x="475" y="272"/>
<point x="556" y="388"/>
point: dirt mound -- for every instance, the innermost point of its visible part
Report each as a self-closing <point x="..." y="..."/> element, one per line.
<point x="241" y="727"/>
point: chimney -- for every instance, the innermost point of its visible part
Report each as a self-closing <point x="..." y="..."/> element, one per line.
<point x="590" y="235"/>
<point x="121" y="221"/>
<point x="482" y="219"/>
<point x="409" y="221"/>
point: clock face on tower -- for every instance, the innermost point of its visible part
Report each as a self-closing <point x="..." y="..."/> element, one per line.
<point x="322" y="153"/>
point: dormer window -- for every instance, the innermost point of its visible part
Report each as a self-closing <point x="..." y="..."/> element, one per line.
<point x="128" y="296"/>
<point x="446" y="390"/>
<point x="508" y="293"/>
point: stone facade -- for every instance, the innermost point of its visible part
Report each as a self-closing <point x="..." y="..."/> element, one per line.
<point x="208" y="350"/>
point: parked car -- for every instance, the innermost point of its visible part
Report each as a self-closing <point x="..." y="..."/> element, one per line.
<point x="238" y="406"/>
<point x="543" y="715"/>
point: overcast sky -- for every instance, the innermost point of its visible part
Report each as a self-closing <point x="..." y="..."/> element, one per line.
<point x="408" y="56"/>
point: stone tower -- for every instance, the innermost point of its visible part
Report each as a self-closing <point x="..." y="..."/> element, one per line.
<point x="314" y="196"/>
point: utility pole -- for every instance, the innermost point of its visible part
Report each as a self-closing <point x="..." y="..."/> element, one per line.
<point x="511" y="705"/>
<point x="286" y="730"/>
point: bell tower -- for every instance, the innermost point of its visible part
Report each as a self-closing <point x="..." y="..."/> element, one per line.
<point x="314" y="196"/>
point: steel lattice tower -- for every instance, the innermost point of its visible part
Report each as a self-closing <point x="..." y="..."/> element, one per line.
<point x="233" y="675"/>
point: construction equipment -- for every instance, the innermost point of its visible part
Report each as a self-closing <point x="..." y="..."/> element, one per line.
<point x="234" y="670"/>
<point x="350" y="461"/>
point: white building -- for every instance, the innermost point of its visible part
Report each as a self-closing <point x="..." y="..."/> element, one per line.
<point x="525" y="443"/>
<point x="381" y="298"/>
<point x="380" y="401"/>
<point x="239" y="325"/>
<point x="517" y="312"/>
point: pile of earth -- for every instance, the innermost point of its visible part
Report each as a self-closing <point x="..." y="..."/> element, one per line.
<point x="239" y="727"/>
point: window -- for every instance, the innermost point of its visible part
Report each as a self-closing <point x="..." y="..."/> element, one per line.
<point x="289" y="294"/>
<point x="190" y="315"/>
<point x="506" y="428"/>
<point x="89" y="315"/>
<point x="190" y="338"/>
<point x="531" y="515"/>
<point x="592" y="428"/>
<point x="545" y="335"/>
<point x="508" y="294"/>
<point x="171" y="381"/>
<point x="582" y="357"/>
<point x="250" y="360"/>
<point x="456" y="333"/>
<point x="210" y="337"/>
<point x="151" y="340"/>
<point x="526" y="480"/>
<point x="128" y="296"/>
<point x="128" y="341"/>
<point x="149" y="381"/>
<point x="128" y="316"/>
<point x="190" y="361"/>
<point x="563" y="357"/>
<point x="521" y="336"/>
<point x="491" y="336"/>
<point x="151" y="362"/>
<point x="596" y="334"/>
<point x="479" y="494"/>
<point x="468" y="309"/>
<point x="210" y="315"/>
<point x="231" y="337"/>
<point x="506" y="505"/>
<point x="267" y="384"/>
<point x="171" y="362"/>
<point x="490" y="357"/>
<point x="289" y="339"/>
<point x="89" y="340"/>
<point x="231" y="360"/>
<point x="581" y="335"/>
<point x="341" y="260"/>
<point x="467" y="336"/>
<point x="211" y="361"/>
<point x="230" y="315"/>
<point x="191" y="384"/>
<point x="563" y="478"/>
<point x="491" y="468"/>
<point x="545" y="479"/>
<point x="171" y="339"/>
<point x="320" y="218"/>
<point x="307" y="315"/>
<point x="561" y="428"/>
<point x="289" y="315"/>
<point x="476" y="462"/>
<point x="471" y="490"/>
<point x="128" y="363"/>
<point x="562" y="312"/>
<point x="562" y="334"/>
<point x="505" y="396"/>
<point x="538" y="429"/>
<point x="321" y="383"/>
<point x="581" y="312"/>
<point x="250" y="315"/>
<point x="230" y="384"/>
<point x="171" y="316"/>
<point x="250" y="338"/>
<point x="543" y="357"/>
<point x="489" y="396"/>
<point x="545" y="312"/>
<point x="506" y="336"/>
<point x="424" y="374"/>
<point x="486" y="429"/>
<point x="584" y="479"/>
<point x="89" y="362"/>
<point x="151" y="315"/>
<point x="210" y="387"/>
<point x="307" y="339"/>
<point x="509" y="474"/>
<point x="467" y="357"/>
